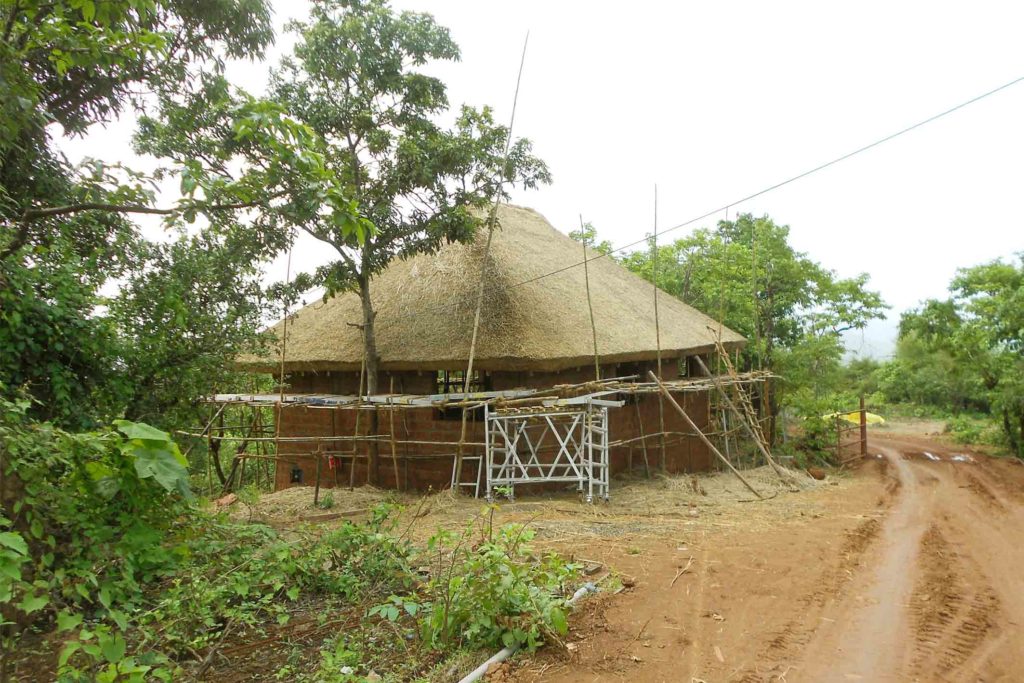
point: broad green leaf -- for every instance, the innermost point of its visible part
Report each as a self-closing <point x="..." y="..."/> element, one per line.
<point x="14" y="541"/>
<point x="141" y="430"/>
<point x="558" y="621"/>
<point x="162" y="465"/>
<point x="113" y="648"/>
<point x="67" y="621"/>
<point x="70" y="648"/>
<point x="33" y="603"/>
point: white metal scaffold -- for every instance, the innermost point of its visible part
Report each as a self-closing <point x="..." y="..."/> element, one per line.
<point x="567" y="443"/>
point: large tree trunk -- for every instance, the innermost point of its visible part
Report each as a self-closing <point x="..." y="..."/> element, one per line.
<point x="372" y="367"/>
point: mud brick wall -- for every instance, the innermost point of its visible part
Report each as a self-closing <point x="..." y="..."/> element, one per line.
<point x="640" y="416"/>
<point x="420" y="466"/>
<point x="426" y="466"/>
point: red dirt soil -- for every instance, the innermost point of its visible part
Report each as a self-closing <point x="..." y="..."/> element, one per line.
<point x="909" y="571"/>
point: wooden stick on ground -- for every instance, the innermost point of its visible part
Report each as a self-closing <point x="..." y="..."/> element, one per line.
<point x="681" y="572"/>
<point x="700" y="434"/>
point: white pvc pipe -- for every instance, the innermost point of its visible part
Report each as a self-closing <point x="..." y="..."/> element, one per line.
<point x="503" y="654"/>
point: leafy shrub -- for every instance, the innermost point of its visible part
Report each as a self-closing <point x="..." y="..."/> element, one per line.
<point x="88" y="520"/>
<point x="963" y="429"/>
<point x="246" y="574"/>
<point x="489" y="593"/>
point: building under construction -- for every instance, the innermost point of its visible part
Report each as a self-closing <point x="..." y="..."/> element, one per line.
<point x="559" y="395"/>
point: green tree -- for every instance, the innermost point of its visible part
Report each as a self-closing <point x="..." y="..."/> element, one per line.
<point x="354" y="78"/>
<point x="588" y="236"/>
<point x="65" y="230"/>
<point x="791" y="309"/>
<point x="980" y="329"/>
<point x="181" y="322"/>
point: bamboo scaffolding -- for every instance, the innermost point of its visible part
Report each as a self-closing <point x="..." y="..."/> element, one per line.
<point x="755" y="434"/>
<point x="700" y="435"/>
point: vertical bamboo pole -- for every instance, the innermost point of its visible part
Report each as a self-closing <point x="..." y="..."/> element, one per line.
<point x="657" y="330"/>
<point x="590" y="304"/>
<point x="284" y="350"/>
<point x="319" y="460"/>
<point x="483" y="272"/>
<point x="359" y="412"/>
<point x="394" y="446"/>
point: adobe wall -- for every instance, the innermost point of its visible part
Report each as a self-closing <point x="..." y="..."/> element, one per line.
<point x="426" y="466"/>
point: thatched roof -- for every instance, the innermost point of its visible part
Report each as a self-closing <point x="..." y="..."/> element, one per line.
<point x="425" y="309"/>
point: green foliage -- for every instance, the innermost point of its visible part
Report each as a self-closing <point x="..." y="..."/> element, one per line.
<point x="815" y="441"/>
<point x="355" y="79"/>
<point x="490" y="593"/>
<point x="974" y="346"/>
<point x="790" y="308"/>
<point x="89" y="518"/>
<point x="64" y="236"/>
<point x="963" y="429"/>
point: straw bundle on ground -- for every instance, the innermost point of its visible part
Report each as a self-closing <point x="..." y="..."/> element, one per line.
<point x="425" y="308"/>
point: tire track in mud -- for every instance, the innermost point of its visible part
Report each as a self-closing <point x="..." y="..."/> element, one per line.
<point x="784" y="645"/>
<point x="951" y="617"/>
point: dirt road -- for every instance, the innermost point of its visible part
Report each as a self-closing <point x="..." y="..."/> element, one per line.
<point x="913" y="571"/>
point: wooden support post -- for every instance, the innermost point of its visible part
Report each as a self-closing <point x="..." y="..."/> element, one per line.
<point x="657" y="330"/>
<point x="394" y="446"/>
<point x="693" y="425"/>
<point x="334" y="446"/>
<point x="316" y="490"/>
<point x="359" y="412"/>
<point x="863" y="429"/>
<point x="839" y="438"/>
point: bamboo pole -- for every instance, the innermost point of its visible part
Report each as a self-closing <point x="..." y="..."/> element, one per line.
<point x="483" y="271"/>
<point x="700" y="434"/>
<point x="362" y="377"/>
<point x="863" y="429"/>
<point x="284" y="351"/>
<point x="750" y="430"/>
<point x="394" y="445"/>
<point x="590" y="304"/>
<point x="643" y="442"/>
<point x="316" y="490"/>
<point x="334" y="432"/>
<point x="657" y="327"/>
<point x="361" y="439"/>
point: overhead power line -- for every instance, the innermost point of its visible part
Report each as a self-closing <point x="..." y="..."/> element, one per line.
<point x="793" y="179"/>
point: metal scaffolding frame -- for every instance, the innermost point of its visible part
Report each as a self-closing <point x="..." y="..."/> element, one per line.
<point x="541" y="445"/>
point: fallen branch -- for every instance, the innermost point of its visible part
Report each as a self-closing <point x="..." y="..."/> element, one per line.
<point x="681" y="572"/>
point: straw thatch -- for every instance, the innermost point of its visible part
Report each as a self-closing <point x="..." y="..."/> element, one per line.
<point x="425" y="309"/>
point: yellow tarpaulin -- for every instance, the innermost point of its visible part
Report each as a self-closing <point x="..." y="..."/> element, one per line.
<point x="854" y="417"/>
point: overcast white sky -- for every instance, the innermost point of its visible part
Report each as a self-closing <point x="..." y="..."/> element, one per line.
<point x="716" y="100"/>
